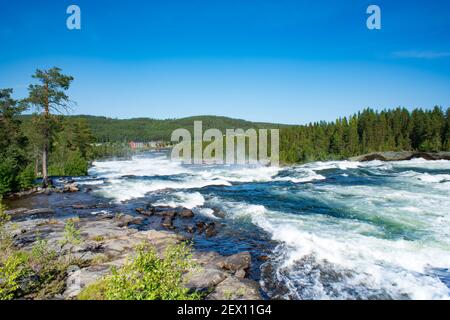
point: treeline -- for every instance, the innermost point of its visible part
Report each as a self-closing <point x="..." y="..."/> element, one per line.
<point x="112" y="130"/>
<point x="367" y="131"/>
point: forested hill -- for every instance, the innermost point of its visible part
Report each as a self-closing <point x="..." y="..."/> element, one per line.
<point x="107" y="129"/>
<point x="366" y="131"/>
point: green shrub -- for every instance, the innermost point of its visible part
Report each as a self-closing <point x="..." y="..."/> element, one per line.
<point x="71" y="234"/>
<point x="147" y="277"/>
<point x="72" y="164"/>
<point x="6" y="176"/>
<point x="25" y="178"/>
<point x="5" y="237"/>
<point x="76" y="165"/>
<point x="12" y="269"/>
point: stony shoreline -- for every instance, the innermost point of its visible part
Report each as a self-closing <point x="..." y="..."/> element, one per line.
<point x="402" y="155"/>
<point x="109" y="240"/>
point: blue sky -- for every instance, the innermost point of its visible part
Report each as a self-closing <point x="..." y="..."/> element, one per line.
<point x="278" y="61"/>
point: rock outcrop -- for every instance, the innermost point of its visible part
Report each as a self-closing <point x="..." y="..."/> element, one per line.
<point x="110" y="240"/>
<point x="402" y="155"/>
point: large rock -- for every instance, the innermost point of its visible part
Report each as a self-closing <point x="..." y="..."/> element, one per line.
<point x="210" y="230"/>
<point x="146" y="212"/>
<point x="233" y="288"/>
<point x="186" y="213"/>
<point x="202" y="279"/>
<point x="126" y="220"/>
<point x="70" y="187"/>
<point x="78" y="279"/>
<point x="236" y="262"/>
<point x="167" y="222"/>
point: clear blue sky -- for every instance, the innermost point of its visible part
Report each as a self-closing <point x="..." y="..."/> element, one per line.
<point x="278" y="60"/>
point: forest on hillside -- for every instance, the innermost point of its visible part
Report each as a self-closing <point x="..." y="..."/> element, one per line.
<point x="367" y="131"/>
<point x="112" y="130"/>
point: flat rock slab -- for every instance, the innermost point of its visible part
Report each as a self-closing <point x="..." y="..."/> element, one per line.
<point x="233" y="288"/>
<point x="202" y="279"/>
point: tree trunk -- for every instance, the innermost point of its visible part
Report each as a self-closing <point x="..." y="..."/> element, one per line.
<point x="45" y="179"/>
<point x="36" y="166"/>
<point x="46" y="182"/>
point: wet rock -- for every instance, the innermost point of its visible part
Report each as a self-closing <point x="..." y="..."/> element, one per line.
<point x="24" y="193"/>
<point x="233" y="288"/>
<point x="40" y="211"/>
<point x="190" y="229"/>
<point x="80" y="206"/>
<point x="210" y="230"/>
<point x="186" y="213"/>
<point x="126" y="220"/>
<point x="236" y="262"/>
<point x="200" y="227"/>
<point x="70" y="187"/>
<point x="263" y="257"/>
<point x="17" y="211"/>
<point x="171" y="213"/>
<point x="29" y="212"/>
<point x="167" y="222"/>
<point x="218" y="213"/>
<point x="202" y="279"/>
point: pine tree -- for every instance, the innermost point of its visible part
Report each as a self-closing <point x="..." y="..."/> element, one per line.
<point x="48" y="97"/>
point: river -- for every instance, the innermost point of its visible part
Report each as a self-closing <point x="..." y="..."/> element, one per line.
<point x="331" y="230"/>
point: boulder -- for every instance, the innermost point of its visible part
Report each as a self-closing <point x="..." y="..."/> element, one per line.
<point x="218" y="213"/>
<point x="70" y="187"/>
<point x="186" y="213"/>
<point x="210" y="230"/>
<point x="236" y="262"/>
<point x="200" y="227"/>
<point x="190" y="229"/>
<point x="167" y="213"/>
<point x="202" y="279"/>
<point x="126" y="220"/>
<point x="167" y="222"/>
<point x="233" y="288"/>
<point x="147" y="212"/>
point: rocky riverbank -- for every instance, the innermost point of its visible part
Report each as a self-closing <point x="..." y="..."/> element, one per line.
<point x="108" y="240"/>
<point x="402" y="155"/>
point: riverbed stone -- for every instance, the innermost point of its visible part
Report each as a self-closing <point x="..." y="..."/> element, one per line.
<point x="70" y="187"/>
<point x="202" y="279"/>
<point x="186" y="213"/>
<point x="233" y="288"/>
<point x="236" y="262"/>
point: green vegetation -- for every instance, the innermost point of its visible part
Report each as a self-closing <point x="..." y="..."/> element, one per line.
<point x="14" y="163"/>
<point x="146" y="277"/>
<point x="48" y="96"/>
<point x="121" y="131"/>
<point x="367" y="131"/>
<point x="38" y="273"/>
<point x="59" y="145"/>
<point x="71" y="234"/>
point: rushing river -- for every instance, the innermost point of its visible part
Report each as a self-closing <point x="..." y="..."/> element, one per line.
<point x="341" y="230"/>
